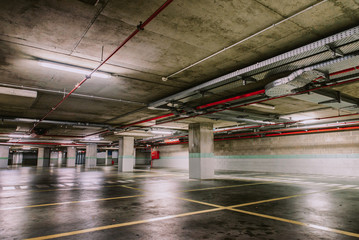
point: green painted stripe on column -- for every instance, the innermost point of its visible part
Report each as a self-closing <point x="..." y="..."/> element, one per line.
<point x="53" y="158"/>
<point x="201" y="155"/>
<point x="4" y="157"/>
<point x="71" y="157"/>
<point x="128" y="156"/>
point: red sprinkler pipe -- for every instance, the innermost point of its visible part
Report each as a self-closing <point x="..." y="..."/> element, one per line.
<point x="232" y="99"/>
<point x="243" y="96"/>
<point x="148" y="120"/>
<point x="139" y="27"/>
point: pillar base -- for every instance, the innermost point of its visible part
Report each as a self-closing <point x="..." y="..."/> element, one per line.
<point x="201" y="167"/>
<point x="3" y="163"/>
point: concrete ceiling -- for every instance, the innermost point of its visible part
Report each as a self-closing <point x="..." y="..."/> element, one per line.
<point x="82" y="33"/>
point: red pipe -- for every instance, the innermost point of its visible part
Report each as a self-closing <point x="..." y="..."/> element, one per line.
<point x="284" y="123"/>
<point x="335" y="84"/>
<point x="148" y="120"/>
<point x="232" y="99"/>
<point x="140" y="27"/>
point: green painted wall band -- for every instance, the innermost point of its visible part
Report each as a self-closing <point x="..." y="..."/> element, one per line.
<point x="127" y="156"/>
<point x="284" y="156"/>
<point x="201" y="155"/>
<point x="4" y="157"/>
<point x="71" y="157"/>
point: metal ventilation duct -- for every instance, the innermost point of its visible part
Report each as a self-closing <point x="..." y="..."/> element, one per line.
<point x="287" y="85"/>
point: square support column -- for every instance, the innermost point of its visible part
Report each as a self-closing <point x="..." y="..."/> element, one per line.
<point x="108" y="159"/>
<point x="71" y="157"/>
<point x="201" y="158"/>
<point x="4" y="156"/>
<point x="91" y="156"/>
<point x="126" y="154"/>
<point x="43" y="157"/>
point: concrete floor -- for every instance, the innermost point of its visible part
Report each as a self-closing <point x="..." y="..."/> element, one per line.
<point x="73" y="203"/>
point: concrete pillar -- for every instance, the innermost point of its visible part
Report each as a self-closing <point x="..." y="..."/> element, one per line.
<point x="91" y="156"/>
<point x="43" y="157"/>
<point x="4" y="156"/>
<point x="108" y="159"/>
<point x="59" y="158"/>
<point x="71" y="157"/>
<point x="54" y="157"/>
<point x="201" y="158"/>
<point x="126" y="154"/>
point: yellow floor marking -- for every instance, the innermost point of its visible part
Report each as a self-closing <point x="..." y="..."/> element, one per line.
<point x="138" y="189"/>
<point x="123" y="224"/>
<point x="299" y="223"/>
<point x="283" y="198"/>
<point x="70" y="202"/>
<point x="230" y="186"/>
<point x="203" y="203"/>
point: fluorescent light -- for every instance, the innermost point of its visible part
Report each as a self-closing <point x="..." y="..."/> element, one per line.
<point x="161" y="132"/>
<point x="261" y="105"/>
<point x="93" y="138"/>
<point x="18" y="136"/>
<point x="309" y="121"/>
<point x="18" y="92"/>
<point x="74" y="69"/>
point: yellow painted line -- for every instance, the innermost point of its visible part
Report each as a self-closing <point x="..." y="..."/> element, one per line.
<point x="299" y="223"/>
<point x="123" y="224"/>
<point x="138" y="189"/>
<point x="203" y="203"/>
<point x="282" y="198"/>
<point x="230" y="186"/>
<point x="70" y="202"/>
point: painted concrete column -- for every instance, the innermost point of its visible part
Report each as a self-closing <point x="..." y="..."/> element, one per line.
<point x="59" y="158"/>
<point x="43" y="157"/>
<point x="54" y="156"/>
<point x="4" y="156"/>
<point x="201" y="158"/>
<point x="91" y="156"/>
<point x="71" y="157"/>
<point x="126" y="154"/>
<point x="108" y="159"/>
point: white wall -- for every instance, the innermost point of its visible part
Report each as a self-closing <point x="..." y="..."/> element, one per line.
<point x="172" y="156"/>
<point x="325" y="153"/>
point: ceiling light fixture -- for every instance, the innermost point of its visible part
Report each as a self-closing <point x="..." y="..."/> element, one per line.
<point x="261" y="105"/>
<point x="74" y="69"/>
<point x="18" y="136"/>
<point x="310" y="121"/>
<point x="161" y="132"/>
<point x="93" y="138"/>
